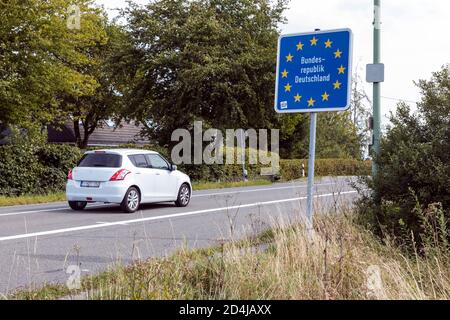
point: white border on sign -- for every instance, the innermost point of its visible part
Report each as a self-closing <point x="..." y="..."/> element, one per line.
<point x="349" y="87"/>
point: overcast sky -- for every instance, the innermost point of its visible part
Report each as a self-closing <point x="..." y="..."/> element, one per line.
<point x="415" y="37"/>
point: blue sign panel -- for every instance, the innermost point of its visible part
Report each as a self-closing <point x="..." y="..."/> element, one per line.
<point x="314" y="71"/>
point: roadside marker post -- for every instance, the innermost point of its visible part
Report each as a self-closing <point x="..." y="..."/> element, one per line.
<point x="314" y="74"/>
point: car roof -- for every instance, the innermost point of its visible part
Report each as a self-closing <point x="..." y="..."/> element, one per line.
<point x="123" y="151"/>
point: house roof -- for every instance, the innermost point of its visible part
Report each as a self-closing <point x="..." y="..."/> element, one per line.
<point x="104" y="135"/>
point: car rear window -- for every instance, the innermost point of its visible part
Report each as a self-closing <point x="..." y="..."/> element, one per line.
<point x="105" y="160"/>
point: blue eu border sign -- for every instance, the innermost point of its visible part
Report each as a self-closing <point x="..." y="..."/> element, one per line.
<point x="314" y="74"/>
<point x="314" y="71"/>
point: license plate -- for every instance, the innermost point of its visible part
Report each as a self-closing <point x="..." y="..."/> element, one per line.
<point x="90" y="184"/>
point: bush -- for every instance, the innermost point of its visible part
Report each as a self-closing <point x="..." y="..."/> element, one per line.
<point x="218" y="172"/>
<point x="414" y="165"/>
<point x="27" y="168"/>
<point x="19" y="169"/>
<point x="292" y="168"/>
<point x="57" y="160"/>
<point x="289" y="169"/>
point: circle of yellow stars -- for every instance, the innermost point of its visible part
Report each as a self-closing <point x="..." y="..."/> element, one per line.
<point x="336" y="85"/>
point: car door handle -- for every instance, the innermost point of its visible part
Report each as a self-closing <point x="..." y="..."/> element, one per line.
<point x="157" y="173"/>
<point x="138" y="173"/>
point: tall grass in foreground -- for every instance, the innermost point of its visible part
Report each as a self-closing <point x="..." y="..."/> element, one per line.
<point x="338" y="260"/>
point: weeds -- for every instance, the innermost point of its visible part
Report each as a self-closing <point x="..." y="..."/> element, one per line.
<point x="340" y="260"/>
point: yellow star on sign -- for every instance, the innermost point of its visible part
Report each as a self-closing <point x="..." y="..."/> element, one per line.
<point x="337" y="85"/>
<point x="325" y="96"/>
<point x="297" y="98"/>
<point x="313" y="41"/>
<point x="341" y="69"/>
<point x="287" y="88"/>
<point x="284" y="74"/>
<point x="289" y="57"/>
<point x="328" y="43"/>
<point x="337" y="54"/>
<point x="311" y="102"/>
<point x="300" y="46"/>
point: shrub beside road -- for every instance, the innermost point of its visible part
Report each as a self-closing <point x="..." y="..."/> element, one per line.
<point x="35" y="168"/>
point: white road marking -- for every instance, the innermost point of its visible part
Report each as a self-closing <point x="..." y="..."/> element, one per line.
<point x="194" y="195"/>
<point x="256" y="190"/>
<point x="103" y="222"/>
<point x="169" y="216"/>
<point x="49" y="210"/>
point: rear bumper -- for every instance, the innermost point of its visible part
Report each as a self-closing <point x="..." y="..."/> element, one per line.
<point x="109" y="191"/>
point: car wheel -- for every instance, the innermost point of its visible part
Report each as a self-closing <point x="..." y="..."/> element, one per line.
<point x="131" y="201"/>
<point x="77" y="205"/>
<point x="184" y="195"/>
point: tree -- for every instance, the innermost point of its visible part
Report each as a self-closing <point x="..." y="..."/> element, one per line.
<point x="336" y="137"/>
<point x="339" y="134"/>
<point x="204" y="60"/>
<point x="414" y="163"/>
<point x="88" y="111"/>
<point x="42" y="59"/>
<point x="360" y="112"/>
<point x="215" y="61"/>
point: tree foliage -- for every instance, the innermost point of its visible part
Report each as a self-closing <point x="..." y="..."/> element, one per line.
<point x="88" y="111"/>
<point x="215" y="61"/>
<point x="414" y="162"/>
<point x="42" y="59"/>
<point x="336" y="137"/>
<point x="204" y="60"/>
<point x="173" y="62"/>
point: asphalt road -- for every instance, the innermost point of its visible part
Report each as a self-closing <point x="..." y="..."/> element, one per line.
<point x="39" y="242"/>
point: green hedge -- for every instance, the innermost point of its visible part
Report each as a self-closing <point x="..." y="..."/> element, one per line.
<point x="26" y="168"/>
<point x="291" y="169"/>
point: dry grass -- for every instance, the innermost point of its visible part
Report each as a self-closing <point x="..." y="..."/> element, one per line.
<point x="229" y="184"/>
<point x="338" y="260"/>
<point x="31" y="199"/>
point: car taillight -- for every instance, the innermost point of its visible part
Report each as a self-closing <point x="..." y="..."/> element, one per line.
<point x="69" y="175"/>
<point x="119" y="175"/>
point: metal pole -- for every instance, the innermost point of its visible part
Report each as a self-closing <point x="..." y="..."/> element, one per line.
<point x="244" y="172"/>
<point x="376" y="85"/>
<point x="312" y="156"/>
<point x="311" y="160"/>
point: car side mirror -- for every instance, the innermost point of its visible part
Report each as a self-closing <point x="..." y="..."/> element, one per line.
<point x="173" y="167"/>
